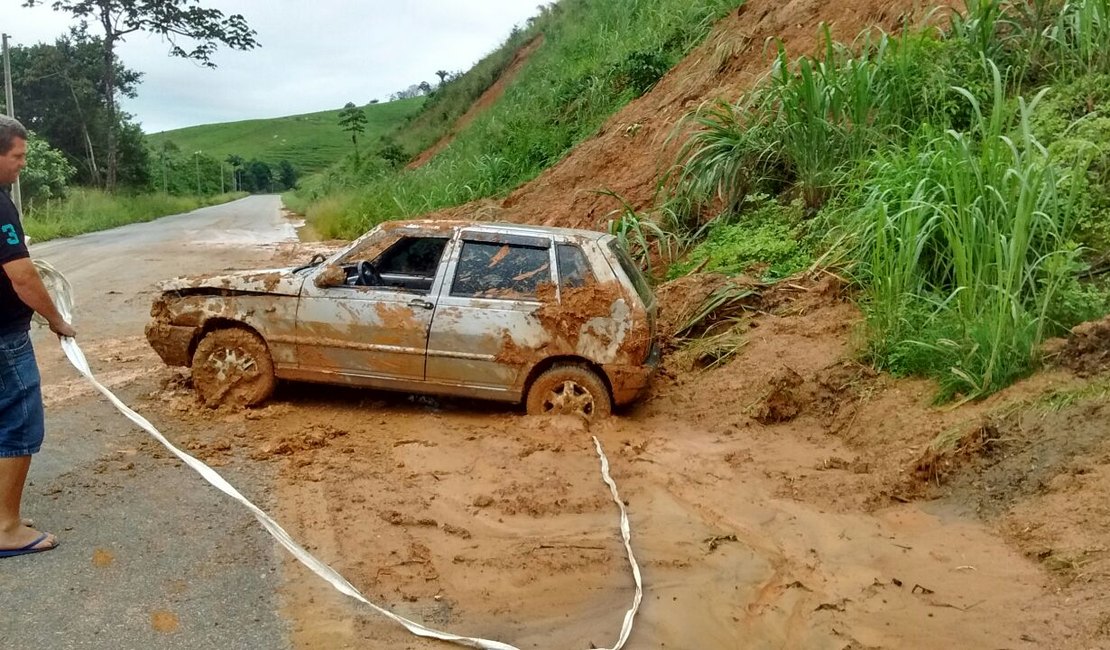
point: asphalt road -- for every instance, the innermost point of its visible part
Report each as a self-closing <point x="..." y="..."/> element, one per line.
<point x="150" y="555"/>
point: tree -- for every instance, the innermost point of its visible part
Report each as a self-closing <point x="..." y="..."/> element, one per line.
<point x="442" y="74"/>
<point x="134" y="158"/>
<point x="173" y="20"/>
<point x="424" y="87"/>
<point x="58" y="92"/>
<point x="353" y="121"/>
<point x="287" y="175"/>
<point x="258" y="177"/>
<point x="236" y="162"/>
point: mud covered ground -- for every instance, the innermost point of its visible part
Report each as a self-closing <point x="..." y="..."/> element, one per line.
<point x="788" y="498"/>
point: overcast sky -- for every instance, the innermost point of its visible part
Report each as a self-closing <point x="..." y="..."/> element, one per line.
<point x="315" y="55"/>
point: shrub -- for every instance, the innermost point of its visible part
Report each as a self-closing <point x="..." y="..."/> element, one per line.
<point x="47" y="173"/>
<point x="639" y="71"/>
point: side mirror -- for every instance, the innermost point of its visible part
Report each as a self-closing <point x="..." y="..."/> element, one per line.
<point x="331" y="276"/>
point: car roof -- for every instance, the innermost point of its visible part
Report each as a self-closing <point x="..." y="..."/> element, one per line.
<point x="499" y="227"/>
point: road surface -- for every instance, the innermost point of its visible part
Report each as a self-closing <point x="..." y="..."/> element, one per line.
<point x="150" y="555"/>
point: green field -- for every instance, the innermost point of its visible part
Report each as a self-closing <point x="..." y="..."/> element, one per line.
<point x="310" y="142"/>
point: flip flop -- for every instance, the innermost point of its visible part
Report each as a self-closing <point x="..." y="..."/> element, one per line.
<point x="30" y="548"/>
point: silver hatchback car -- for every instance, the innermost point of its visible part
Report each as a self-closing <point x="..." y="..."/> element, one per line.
<point x="560" y="319"/>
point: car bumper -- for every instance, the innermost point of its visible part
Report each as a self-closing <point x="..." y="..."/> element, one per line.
<point x="172" y="342"/>
<point x="629" y="382"/>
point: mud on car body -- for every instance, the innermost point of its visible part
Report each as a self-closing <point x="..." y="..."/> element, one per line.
<point x="559" y="319"/>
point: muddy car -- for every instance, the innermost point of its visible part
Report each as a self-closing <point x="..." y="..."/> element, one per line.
<point x="559" y="319"/>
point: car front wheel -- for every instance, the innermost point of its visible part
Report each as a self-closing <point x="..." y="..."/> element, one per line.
<point x="233" y="367"/>
<point x="569" y="390"/>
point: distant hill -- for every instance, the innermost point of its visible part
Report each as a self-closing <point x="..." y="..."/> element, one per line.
<point x="310" y="142"/>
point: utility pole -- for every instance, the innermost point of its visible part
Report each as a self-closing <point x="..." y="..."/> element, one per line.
<point x="196" y="159"/>
<point x="10" y="103"/>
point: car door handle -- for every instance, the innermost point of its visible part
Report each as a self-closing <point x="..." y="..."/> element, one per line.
<point x="417" y="302"/>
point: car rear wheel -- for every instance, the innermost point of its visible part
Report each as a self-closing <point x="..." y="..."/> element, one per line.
<point x="233" y="367"/>
<point x="569" y="390"/>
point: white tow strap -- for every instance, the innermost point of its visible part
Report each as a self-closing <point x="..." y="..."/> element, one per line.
<point x="63" y="298"/>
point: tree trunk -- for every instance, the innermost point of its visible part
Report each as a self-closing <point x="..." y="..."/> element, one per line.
<point x="94" y="171"/>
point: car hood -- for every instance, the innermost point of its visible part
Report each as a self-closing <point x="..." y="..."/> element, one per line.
<point x="280" y="282"/>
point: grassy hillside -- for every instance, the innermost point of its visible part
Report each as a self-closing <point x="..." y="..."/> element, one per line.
<point x="310" y="142"/>
<point x="595" y="58"/>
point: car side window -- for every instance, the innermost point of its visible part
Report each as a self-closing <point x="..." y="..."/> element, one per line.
<point x="500" y="270"/>
<point x="574" y="268"/>
<point x="417" y="256"/>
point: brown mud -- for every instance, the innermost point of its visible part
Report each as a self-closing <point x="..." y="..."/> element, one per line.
<point x="1087" y="350"/>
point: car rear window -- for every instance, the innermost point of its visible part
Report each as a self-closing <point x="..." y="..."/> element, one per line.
<point x="501" y="270"/>
<point x="574" y="268"/>
<point x="630" y="268"/>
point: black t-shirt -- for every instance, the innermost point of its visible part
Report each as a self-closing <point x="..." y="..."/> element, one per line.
<point x="15" y="315"/>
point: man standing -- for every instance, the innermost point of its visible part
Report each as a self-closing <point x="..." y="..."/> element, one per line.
<point x="21" y="293"/>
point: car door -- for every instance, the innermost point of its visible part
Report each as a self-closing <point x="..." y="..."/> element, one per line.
<point x="484" y="334"/>
<point x="373" y="334"/>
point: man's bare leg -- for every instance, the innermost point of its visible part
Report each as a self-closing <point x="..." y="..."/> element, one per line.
<point x="13" y="533"/>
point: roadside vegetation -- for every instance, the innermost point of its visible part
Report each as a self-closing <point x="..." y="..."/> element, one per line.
<point x="958" y="174"/>
<point x="90" y="210"/>
<point x="88" y="167"/>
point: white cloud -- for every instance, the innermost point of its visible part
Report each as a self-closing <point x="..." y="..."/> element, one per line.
<point x="314" y="56"/>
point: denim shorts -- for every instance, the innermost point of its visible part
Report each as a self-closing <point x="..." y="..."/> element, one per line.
<point x="21" y="417"/>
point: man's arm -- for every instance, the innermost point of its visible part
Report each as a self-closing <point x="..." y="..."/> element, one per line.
<point x="30" y="289"/>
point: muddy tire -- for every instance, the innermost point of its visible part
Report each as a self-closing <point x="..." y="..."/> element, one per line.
<point x="233" y="367"/>
<point x="569" y="390"/>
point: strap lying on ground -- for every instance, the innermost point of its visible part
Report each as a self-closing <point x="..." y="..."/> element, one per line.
<point x="58" y="286"/>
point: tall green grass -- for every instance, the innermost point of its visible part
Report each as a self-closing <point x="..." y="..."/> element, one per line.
<point x="919" y="152"/>
<point x="88" y="210"/>
<point x="1039" y="41"/>
<point x="962" y="246"/>
<point x="805" y="128"/>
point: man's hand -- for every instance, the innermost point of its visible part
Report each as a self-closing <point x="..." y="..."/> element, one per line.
<point x="62" y="328"/>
